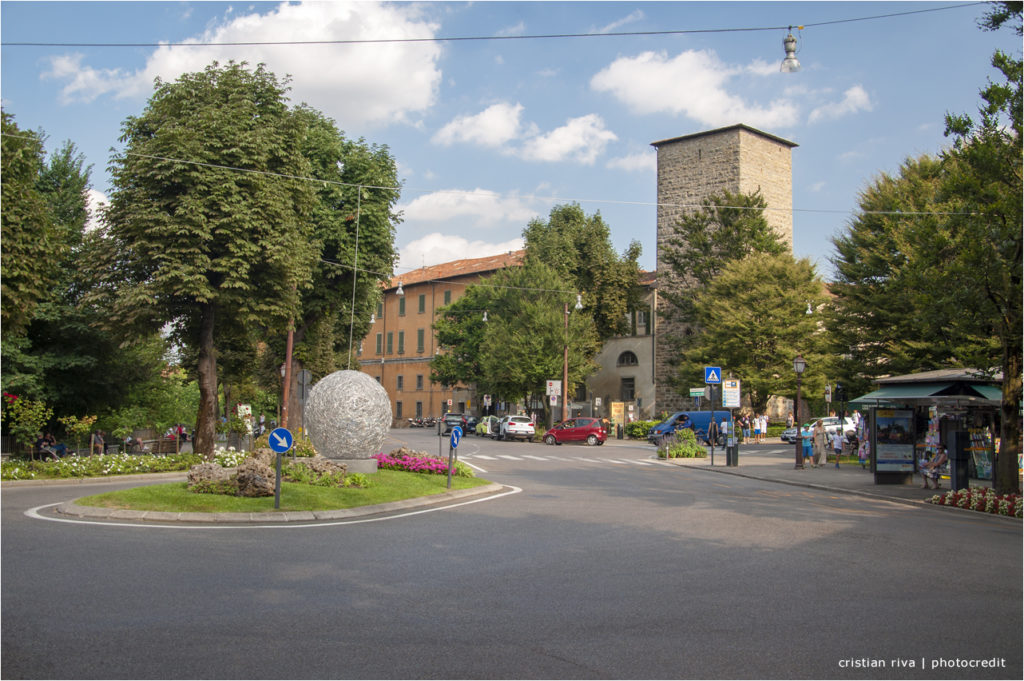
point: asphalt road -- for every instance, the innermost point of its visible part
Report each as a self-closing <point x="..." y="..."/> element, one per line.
<point x="606" y="565"/>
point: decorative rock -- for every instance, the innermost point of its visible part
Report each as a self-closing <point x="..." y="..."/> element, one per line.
<point x="265" y="456"/>
<point x="255" y="479"/>
<point x="202" y="472"/>
<point x="348" y="414"/>
<point x="319" y="464"/>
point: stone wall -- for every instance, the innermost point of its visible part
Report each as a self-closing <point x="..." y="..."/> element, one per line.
<point x="690" y="168"/>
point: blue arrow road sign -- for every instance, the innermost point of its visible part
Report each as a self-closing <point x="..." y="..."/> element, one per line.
<point x="280" y="440"/>
<point x="712" y="374"/>
<point x="456" y="436"/>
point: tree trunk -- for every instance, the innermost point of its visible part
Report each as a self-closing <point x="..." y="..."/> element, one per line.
<point x="206" y="421"/>
<point x="1005" y="478"/>
<point x="296" y="419"/>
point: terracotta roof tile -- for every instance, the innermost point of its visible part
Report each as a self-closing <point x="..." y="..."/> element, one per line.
<point x="459" y="268"/>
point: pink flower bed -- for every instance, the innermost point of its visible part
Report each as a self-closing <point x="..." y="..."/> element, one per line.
<point x="413" y="464"/>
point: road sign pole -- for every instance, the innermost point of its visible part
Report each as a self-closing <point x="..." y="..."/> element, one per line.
<point x="277" y="484"/>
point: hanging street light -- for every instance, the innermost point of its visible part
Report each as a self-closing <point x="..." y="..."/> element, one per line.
<point x="790" y="64"/>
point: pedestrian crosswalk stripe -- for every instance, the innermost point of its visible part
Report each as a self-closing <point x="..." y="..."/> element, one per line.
<point x="510" y="458"/>
<point x="480" y="456"/>
<point x="536" y="458"/>
<point x="587" y="460"/>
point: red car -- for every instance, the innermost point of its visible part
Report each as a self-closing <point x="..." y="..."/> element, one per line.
<point x="580" y="429"/>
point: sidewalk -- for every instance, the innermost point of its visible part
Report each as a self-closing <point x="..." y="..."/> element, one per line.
<point x="777" y="466"/>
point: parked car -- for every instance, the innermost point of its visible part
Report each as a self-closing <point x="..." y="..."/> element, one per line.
<point x="581" y="429"/>
<point x="516" y="428"/>
<point x="453" y="419"/>
<point x="487" y="426"/>
<point x="833" y="424"/>
<point x="790" y="435"/>
<point x="470" y="426"/>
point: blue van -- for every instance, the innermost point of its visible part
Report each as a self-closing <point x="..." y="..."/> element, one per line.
<point x="698" y="420"/>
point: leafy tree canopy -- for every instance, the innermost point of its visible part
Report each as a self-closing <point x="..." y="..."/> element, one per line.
<point x="754" y="322"/>
<point x="578" y="247"/>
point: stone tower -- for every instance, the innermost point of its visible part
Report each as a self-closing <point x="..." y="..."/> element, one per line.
<point x="736" y="159"/>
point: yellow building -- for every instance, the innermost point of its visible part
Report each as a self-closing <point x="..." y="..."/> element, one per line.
<point x="401" y="342"/>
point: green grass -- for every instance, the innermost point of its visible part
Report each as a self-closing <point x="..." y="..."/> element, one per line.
<point x="385" y="486"/>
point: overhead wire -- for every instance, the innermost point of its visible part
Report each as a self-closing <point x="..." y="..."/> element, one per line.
<point x="433" y="39"/>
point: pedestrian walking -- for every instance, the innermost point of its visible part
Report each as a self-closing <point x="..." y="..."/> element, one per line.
<point x="819" y="444"/>
<point x="805" y="436"/>
<point x="757" y="428"/>
<point x="837" y="445"/>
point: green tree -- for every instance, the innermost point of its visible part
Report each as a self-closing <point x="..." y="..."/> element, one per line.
<point x="525" y="336"/>
<point x="728" y="227"/>
<point x="460" y="336"/>
<point x="30" y="238"/>
<point x="206" y="222"/>
<point x="883" y="320"/>
<point x="753" y="323"/>
<point x="976" y="259"/>
<point x="579" y="249"/>
<point x="355" y="209"/>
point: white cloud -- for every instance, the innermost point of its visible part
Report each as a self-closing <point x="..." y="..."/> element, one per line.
<point x="581" y="139"/>
<point x="95" y="201"/>
<point x="855" y="99"/>
<point x="436" y="248"/>
<point x="692" y="84"/>
<point x="484" y="208"/>
<point x="817" y="186"/>
<point x="635" y="15"/>
<point x="493" y="127"/>
<point x="354" y="84"/>
<point x="643" y="161"/>
<point x="500" y="126"/>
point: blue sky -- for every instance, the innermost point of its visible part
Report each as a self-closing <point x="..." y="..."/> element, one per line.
<point x="491" y="133"/>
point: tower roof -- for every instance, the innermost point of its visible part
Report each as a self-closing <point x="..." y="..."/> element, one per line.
<point x="717" y="131"/>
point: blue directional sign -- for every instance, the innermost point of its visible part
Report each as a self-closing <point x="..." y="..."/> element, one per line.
<point x="712" y="374"/>
<point x="456" y="436"/>
<point x="280" y="440"/>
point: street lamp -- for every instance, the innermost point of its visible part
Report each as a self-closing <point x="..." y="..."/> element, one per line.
<point x="790" y="64"/>
<point x="799" y="364"/>
<point x="565" y="357"/>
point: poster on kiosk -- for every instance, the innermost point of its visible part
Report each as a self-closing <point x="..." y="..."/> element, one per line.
<point x="894" y="441"/>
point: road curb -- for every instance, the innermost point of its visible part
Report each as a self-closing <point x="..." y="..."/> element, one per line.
<point x="870" y="495"/>
<point x="74" y="510"/>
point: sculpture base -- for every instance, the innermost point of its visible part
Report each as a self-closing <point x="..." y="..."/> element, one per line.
<point x="358" y="465"/>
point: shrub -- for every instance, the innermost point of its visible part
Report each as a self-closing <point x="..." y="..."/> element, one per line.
<point x="637" y="430"/>
<point x="99" y="465"/>
<point x="681" y="445"/>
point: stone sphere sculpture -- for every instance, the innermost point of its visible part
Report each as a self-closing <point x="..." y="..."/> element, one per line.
<point x="348" y="415"/>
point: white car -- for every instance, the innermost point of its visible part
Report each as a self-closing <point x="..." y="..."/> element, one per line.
<point x="832" y="424"/>
<point x="516" y="428"/>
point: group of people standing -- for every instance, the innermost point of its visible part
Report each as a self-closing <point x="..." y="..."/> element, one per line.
<point x="755" y="427"/>
<point x="817" y="442"/>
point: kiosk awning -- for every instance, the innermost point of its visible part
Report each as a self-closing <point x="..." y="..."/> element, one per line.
<point x="932" y="393"/>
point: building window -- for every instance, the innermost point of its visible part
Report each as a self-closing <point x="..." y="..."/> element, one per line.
<point x="359" y="352"/>
<point x="391" y="342"/>
<point x="398" y="410"/>
<point x="399" y="381"/>
<point x="419" y="381"/>
<point x="380" y="343"/>
<point x="401" y="306"/>
<point x="641" y="323"/>
<point x="627" y="359"/>
<point x="419" y="410"/>
<point x="419" y="340"/>
<point x="447" y="297"/>
<point x="401" y="342"/>
<point x="628" y="390"/>
<point x="380" y="309"/>
<point x="378" y="378"/>
<point x="423" y="303"/>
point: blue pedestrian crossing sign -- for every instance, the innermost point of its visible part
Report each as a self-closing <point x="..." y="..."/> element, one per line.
<point x="456" y="436"/>
<point x="280" y="440"/>
<point x="712" y="374"/>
